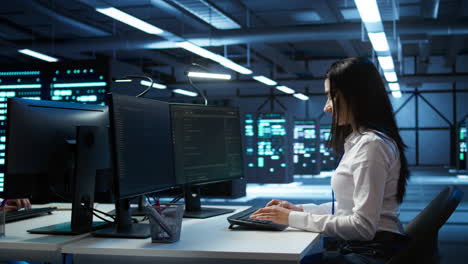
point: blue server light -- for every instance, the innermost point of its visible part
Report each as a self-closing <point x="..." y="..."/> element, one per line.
<point x="305" y="148"/>
<point x="271" y="149"/>
<point x="328" y="159"/>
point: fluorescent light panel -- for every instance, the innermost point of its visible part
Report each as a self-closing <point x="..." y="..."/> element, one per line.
<point x="213" y="56"/>
<point x="185" y="92"/>
<point x="396" y="94"/>
<point x="379" y="41"/>
<point x="123" y="80"/>
<point x="386" y="62"/>
<point x="301" y="96"/>
<point x="265" y="80"/>
<point x="38" y="55"/>
<point x="285" y="89"/>
<point x="78" y="84"/>
<point x="130" y="20"/>
<point x="155" y="85"/>
<point x="368" y="10"/>
<point x="390" y="76"/>
<point x="394" y="87"/>
<point x="209" y="75"/>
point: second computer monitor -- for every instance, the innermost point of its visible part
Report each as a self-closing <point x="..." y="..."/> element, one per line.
<point x="207" y="148"/>
<point x="207" y="143"/>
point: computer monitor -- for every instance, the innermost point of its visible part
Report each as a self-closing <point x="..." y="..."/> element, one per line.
<point x="56" y="147"/>
<point x="207" y="149"/>
<point x="141" y="154"/>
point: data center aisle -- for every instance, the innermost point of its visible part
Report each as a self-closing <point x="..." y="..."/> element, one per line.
<point x="424" y="185"/>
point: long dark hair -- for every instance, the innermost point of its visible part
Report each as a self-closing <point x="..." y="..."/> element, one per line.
<point x="359" y="84"/>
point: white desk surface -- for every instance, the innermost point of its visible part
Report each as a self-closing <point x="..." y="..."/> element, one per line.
<point x="200" y="239"/>
<point x="18" y="244"/>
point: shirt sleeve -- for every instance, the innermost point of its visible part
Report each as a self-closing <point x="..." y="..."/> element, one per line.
<point x="319" y="209"/>
<point x="370" y="171"/>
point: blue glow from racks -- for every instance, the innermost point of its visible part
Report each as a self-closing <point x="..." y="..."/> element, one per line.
<point x="19" y="73"/>
<point x="270" y="141"/>
<point x="84" y="86"/>
<point x="21" y="86"/>
<point x="463" y="144"/>
<point x="78" y="84"/>
<point x="304" y="147"/>
<point x="62" y="92"/>
<point x="329" y="161"/>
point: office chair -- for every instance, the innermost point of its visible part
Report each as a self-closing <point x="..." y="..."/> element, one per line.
<point x="424" y="228"/>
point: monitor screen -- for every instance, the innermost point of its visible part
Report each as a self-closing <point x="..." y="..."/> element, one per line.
<point x="207" y="143"/>
<point x="141" y="145"/>
<point x="38" y="146"/>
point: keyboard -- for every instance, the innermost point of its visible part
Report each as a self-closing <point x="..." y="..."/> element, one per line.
<point x="242" y="219"/>
<point x="24" y="214"/>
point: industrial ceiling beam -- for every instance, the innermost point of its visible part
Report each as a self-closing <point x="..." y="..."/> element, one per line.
<point x="430" y="8"/>
<point x="341" y="31"/>
<point x="316" y="84"/>
<point x="68" y="19"/>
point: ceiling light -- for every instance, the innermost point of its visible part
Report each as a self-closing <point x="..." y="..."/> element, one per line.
<point x="386" y="62"/>
<point x="197" y="50"/>
<point x="265" y="80"/>
<point x="213" y="56"/>
<point x="394" y="87"/>
<point x="285" y="89"/>
<point x="209" y="75"/>
<point x="122" y="80"/>
<point x="379" y="41"/>
<point x="368" y="10"/>
<point x="155" y="85"/>
<point x="390" y="76"/>
<point x="232" y="65"/>
<point x="301" y="96"/>
<point x="130" y="20"/>
<point x="38" y="55"/>
<point x="396" y="94"/>
<point x="185" y="92"/>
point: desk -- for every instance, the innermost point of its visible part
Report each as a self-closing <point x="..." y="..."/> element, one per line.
<point x="202" y="241"/>
<point x="18" y="244"/>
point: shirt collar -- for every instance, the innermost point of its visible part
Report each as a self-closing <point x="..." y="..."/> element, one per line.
<point x="352" y="139"/>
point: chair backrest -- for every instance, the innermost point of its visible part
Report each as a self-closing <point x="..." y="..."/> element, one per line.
<point x="424" y="228"/>
<point x="428" y="222"/>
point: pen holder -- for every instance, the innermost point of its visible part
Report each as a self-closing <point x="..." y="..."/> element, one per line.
<point x="165" y="222"/>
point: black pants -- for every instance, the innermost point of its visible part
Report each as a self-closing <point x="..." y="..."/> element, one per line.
<point x="377" y="251"/>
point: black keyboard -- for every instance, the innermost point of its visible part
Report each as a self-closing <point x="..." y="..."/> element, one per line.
<point x="24" y="214"/>
<point x="242" y="219"/>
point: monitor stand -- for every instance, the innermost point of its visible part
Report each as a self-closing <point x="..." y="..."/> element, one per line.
<point x="135" y="211"/>
<point x="123" y="226"/>
<point x="87" y="147"/>
<point x="193" y="207"/>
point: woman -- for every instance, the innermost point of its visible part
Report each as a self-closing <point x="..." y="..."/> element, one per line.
<point x="370" y="180"/>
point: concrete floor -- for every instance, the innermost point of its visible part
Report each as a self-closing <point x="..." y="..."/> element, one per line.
<point x="424" y="185"/>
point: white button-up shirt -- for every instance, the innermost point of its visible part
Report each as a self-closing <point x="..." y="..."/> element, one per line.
<point x="365" y="185"/>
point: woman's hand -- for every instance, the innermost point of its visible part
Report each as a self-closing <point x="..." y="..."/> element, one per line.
<point x="16" y="204"/>
<point x="276" y="214"/>
<point x="285" y="204"/>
